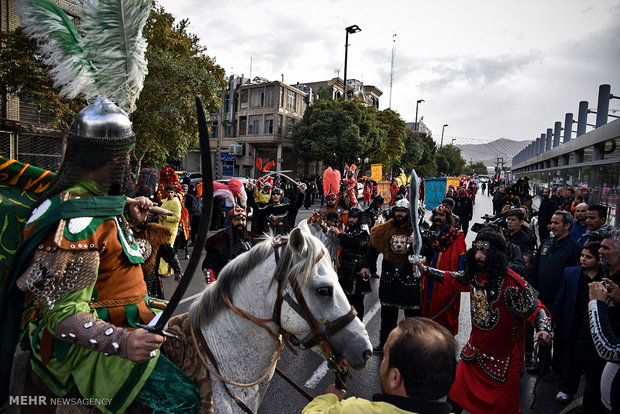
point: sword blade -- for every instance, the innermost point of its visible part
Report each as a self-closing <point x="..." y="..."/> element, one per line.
<point x="205" y="220"/>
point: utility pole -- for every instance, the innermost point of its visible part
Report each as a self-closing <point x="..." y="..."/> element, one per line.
<point x="392" y="68"/>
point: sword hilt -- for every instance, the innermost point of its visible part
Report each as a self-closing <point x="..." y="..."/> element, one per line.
<point x="162" y="332"/>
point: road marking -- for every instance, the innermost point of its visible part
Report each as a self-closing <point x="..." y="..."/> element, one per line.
<point x="322" y="370"/>
<point x="371" y="313"/>
<point x="317" y="376"/>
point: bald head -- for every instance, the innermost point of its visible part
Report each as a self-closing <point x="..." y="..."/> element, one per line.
<point x="580" y="213"/>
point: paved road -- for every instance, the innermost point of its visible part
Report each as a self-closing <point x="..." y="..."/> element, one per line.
<point x="310" y="371"/>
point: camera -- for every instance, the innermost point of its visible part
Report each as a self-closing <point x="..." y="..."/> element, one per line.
<point x="495" y="222"/>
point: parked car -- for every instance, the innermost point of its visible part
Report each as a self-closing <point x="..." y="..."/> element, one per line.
<point x="195" y="178"/>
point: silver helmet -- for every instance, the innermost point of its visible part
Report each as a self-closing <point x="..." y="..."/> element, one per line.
<point x="97" y="150"/>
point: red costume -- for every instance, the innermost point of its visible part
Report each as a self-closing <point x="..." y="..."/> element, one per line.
<point x="442" y="302"/>
<point x="487" y="378"/>
<point x="367" y="191"/>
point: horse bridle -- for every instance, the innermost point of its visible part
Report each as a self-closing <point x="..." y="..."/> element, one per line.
<point x="320" y="332"/>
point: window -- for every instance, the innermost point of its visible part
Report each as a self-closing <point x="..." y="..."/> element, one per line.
<point x="268" y="124"/>
<point x="244" y="99"/>
<point x="257" y="97"/>
<point x="290" y="123"/>
<point x="280" y="117"/>
<point x="282" y="96"/>
<point x="213" y="130"/>
<point x="243" y="123"/>
<point x="291" y="102"/>
<point x="270" y="96"/>
<point x="255" y="125"/>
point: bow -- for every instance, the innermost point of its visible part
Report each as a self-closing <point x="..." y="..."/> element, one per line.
<point x="203" y="227"/>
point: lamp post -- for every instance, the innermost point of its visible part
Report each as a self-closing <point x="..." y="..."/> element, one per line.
<point x="453" y="139"/>
<point x="417" y="129"/>
<point x="442" y="129"/>
<point x="351" y="29"/>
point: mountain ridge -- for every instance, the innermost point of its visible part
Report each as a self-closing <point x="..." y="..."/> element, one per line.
<point x="490" y="151"/>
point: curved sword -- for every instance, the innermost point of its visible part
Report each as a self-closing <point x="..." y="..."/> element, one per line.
<point x="203" y="227"/>
<point x="414" y="194"/>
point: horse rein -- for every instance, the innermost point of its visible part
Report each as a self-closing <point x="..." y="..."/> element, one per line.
<point x="319" y="335"/>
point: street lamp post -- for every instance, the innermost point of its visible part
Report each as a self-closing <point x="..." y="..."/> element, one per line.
<point x="417" y="129"/>
<point x="453" y="139"/>
<point x="442" y="130"/>
<point x="351" y="29"/>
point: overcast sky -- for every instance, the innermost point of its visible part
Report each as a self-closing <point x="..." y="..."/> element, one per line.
<point x="489" y="69"/>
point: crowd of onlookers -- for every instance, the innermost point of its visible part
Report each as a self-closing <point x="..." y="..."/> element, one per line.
<point x="568" y="249"/>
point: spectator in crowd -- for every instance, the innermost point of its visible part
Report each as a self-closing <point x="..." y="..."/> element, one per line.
<point x="604" y="316"/>
<point x="416" y="373"/>
<point x="545" y="212"/>
<point x="596" y="218"/>
<point x="514" y="233"/>
<point x="578" y="200"/>
<point x="579" y="223"/>
<point x="555" y="254"/>
<point x="570" y="318"/>
<point x="567" y="202"/>
<point x="558" y="198"/>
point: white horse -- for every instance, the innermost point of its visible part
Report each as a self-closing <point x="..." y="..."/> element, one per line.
<point x="246" y="352"/>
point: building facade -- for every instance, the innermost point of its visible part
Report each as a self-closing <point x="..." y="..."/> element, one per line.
<point x="256" y="120"/>
<point x="27" y="133"/>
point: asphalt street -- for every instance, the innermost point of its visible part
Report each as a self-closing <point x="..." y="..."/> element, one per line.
<point x="310" y="371"/>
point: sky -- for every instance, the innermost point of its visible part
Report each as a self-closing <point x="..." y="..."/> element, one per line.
<point x="489" y="69"/>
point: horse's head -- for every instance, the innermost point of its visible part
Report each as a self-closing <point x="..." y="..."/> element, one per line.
<point x="315" y="309"/>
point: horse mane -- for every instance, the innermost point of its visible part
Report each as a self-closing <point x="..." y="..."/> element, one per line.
<point x="205" y="308"/>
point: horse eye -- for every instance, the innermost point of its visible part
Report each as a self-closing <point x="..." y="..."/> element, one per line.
<point x="324" y="291"/>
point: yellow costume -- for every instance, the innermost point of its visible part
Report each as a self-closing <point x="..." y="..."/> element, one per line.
<point x="172" y="224"/>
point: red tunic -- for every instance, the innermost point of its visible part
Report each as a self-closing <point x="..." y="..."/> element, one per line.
<point x="487" y="378"/>
<point x="442" y="295"/>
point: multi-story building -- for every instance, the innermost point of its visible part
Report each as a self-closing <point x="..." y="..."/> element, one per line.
<point x="367" y="94"/>
<point x="255" y="120"/>
<point x="26" y="131"/>
<point x="420" y="128"/>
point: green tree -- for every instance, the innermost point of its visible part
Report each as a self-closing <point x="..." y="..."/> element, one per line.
<point x="479" y="168"/>
<point x="24" y="75"/>
<point x="337" y="133"/>
<point x="394" y="147"/>
<point x="450" y="161"/>
<point x="179" y="69"/>
<point x="419" y="153"/>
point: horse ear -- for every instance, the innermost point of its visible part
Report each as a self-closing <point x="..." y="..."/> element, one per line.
<point x="303" y="226"/>
<point x="297" y="241"/>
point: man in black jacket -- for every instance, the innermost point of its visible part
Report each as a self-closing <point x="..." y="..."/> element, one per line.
<point x="227" y="244"/>
<point x="276" y="215"/>
<point x="554" y="255"/>
<point x="464" y="209"/>
<point x="515" y="234"/>
<point x="545" y="212"/>
<point x="354" y="244"/>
